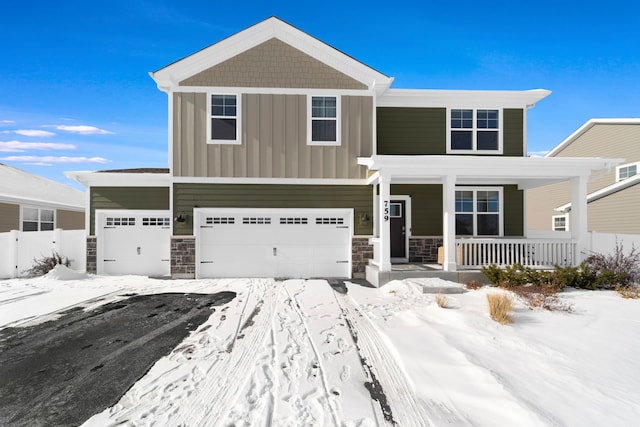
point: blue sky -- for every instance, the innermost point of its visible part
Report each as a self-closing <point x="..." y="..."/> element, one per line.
<point x="75" y="93"/>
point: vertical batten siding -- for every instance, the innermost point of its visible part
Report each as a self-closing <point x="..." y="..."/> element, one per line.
<point x="513" y="132"/>
<point x="274" y="140"/>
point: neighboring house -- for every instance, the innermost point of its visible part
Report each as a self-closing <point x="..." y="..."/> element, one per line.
<point x="32" y="203"/>
<point x="613" y="195"/>
<point x="289" y="158"/>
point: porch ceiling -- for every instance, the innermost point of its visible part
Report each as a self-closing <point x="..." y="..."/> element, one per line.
<point x="526" y="172"/>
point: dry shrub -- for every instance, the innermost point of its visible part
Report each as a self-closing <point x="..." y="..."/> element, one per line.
<point x="473" y="284"/>
<point x="628" y="291"/>
<point x="500" y="308"/>
<point x="543" y="294"/>
<point x="45" y="264"/>
<point x="441" y="300"/>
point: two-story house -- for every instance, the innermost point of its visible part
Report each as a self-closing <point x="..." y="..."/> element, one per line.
<point x="289" y="158"/>
<point x="613" y="195"/>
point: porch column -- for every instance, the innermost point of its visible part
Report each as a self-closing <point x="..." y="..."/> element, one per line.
<point x="578" y="224"/>
<point x="449" y="222"/>
<point x="385" y="223"/>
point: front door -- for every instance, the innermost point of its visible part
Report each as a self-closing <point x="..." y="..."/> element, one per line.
<point x="397" y="213"/>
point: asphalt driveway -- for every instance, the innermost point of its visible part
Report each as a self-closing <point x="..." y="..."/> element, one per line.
<point x="63" y="371"/>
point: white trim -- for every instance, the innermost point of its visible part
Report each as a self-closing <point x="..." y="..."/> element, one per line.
<point x="271" y="90"/>
<point x="286" y="181"/>
<point x="337" y="119"/>
<point x="238" y="118"/>
<point x="474" y="132"/>
<point x="475" y="190"/>
<point x="468" y="98"/>
<point x="566" y="222"/>
<point x="117" y="179"/>
<point x="627" y="165"/>
<point x="603" y="192"/>
<point x="585" y="127"/>
<point x="170" y="120"/>
<point x="11" y="199"/>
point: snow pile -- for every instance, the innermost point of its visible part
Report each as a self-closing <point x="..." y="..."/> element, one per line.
<point x="61" y="272"/>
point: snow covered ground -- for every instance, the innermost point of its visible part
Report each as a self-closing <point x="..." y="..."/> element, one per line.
<point x="299" y="353"/>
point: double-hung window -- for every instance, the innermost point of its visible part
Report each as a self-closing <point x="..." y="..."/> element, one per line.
<point x="323" y="122"/>
<point x="224" y="125"/>
<point x="474" y="131"/>
<point x="559" y="223"/>
<point x="626" y="171"/>
<point x="479" y="211"/>
<point x="37" y="219"/>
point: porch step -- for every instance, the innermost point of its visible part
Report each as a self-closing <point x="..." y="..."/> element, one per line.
<point x="436" y="285"/>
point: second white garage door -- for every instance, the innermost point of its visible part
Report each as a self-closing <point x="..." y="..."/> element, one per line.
<point x="273" y="242"/>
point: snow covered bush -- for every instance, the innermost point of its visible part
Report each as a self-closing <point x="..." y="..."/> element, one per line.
<point x="45" y="264"/>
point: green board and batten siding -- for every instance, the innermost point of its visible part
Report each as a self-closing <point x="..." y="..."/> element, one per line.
<point x="188" y="196"/>
<point x="423" y="131"/>
<point x="141" y="198"/>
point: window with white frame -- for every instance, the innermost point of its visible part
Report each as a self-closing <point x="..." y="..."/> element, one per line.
<point x="474" y="131"/>
<point x="478" y="211"/>
<point x="224" y="124"/>
<point x="626" y="171"/>
<point x="37" y="219"/>
<point x="560" y="223"/>
<point x="323" y="123"/>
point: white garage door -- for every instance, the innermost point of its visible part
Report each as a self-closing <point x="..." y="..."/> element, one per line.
<point x="133" y="242"/>
<point x="273" y="242"/>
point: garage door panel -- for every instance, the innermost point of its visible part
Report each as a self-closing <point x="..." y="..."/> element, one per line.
<point x="134" y="242"/>
<point x="265" y="243"/>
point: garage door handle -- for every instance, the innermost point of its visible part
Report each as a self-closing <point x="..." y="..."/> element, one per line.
<point x="138" y="250"/>
<point x="342" y="226"/>
<point x="108" y="260"/>
<point x="275" y="251"/>
<point x="342" y="262"/>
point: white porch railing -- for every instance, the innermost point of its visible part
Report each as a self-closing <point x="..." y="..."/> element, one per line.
<point x="535" y="253"/>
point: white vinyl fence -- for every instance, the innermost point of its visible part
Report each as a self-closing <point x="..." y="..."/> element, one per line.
<point x="18" y="249"/>
<point x="605" y="243"/>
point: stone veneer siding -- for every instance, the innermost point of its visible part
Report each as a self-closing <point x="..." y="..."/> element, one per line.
<point x="361" y="253"/>
<point x="92" y="255"/>
<point x="424" y="250"/>
<point x="183" y="257"/>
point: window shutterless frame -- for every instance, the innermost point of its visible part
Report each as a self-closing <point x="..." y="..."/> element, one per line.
<point x="474" y="131"/>
<point x="479" y="209"/>
<point x="560" y="222"/>
<point x="224" y="121"/>
<point x="323" y="120"/>
<point x="34" y="218"/>
<point x="626" y="171"/>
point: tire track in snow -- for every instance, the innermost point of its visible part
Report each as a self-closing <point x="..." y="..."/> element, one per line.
<point x="389" y="384"/>
<point x="224" y="381"/>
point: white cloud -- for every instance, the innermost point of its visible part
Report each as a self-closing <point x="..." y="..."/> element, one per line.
<point x="7" y="122"/>
<point x="39" y="164"/>
<point x="54" y="159"/>
<point x="19" y="146"/>
<point x="83" y="130"/>
<point x="36" y="133"/>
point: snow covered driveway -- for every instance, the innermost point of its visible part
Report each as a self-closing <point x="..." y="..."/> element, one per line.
<point x="299" y="353"/>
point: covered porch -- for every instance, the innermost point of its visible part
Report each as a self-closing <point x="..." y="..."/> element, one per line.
<point x="473" y="216"/>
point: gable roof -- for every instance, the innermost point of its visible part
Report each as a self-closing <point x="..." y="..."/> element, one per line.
<point x="588" y="125"/>
<point x="170" y="75"/>
<point x="18" y="186"/>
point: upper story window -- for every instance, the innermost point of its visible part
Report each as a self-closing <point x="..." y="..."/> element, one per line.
<point x="626" y="171"/>
<point x="225" y="119"/>
<point x="37" y="219"/>
<point x="479" y="211"/>
<point x="323" y="122"/>
<point x="474" y="131"/>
